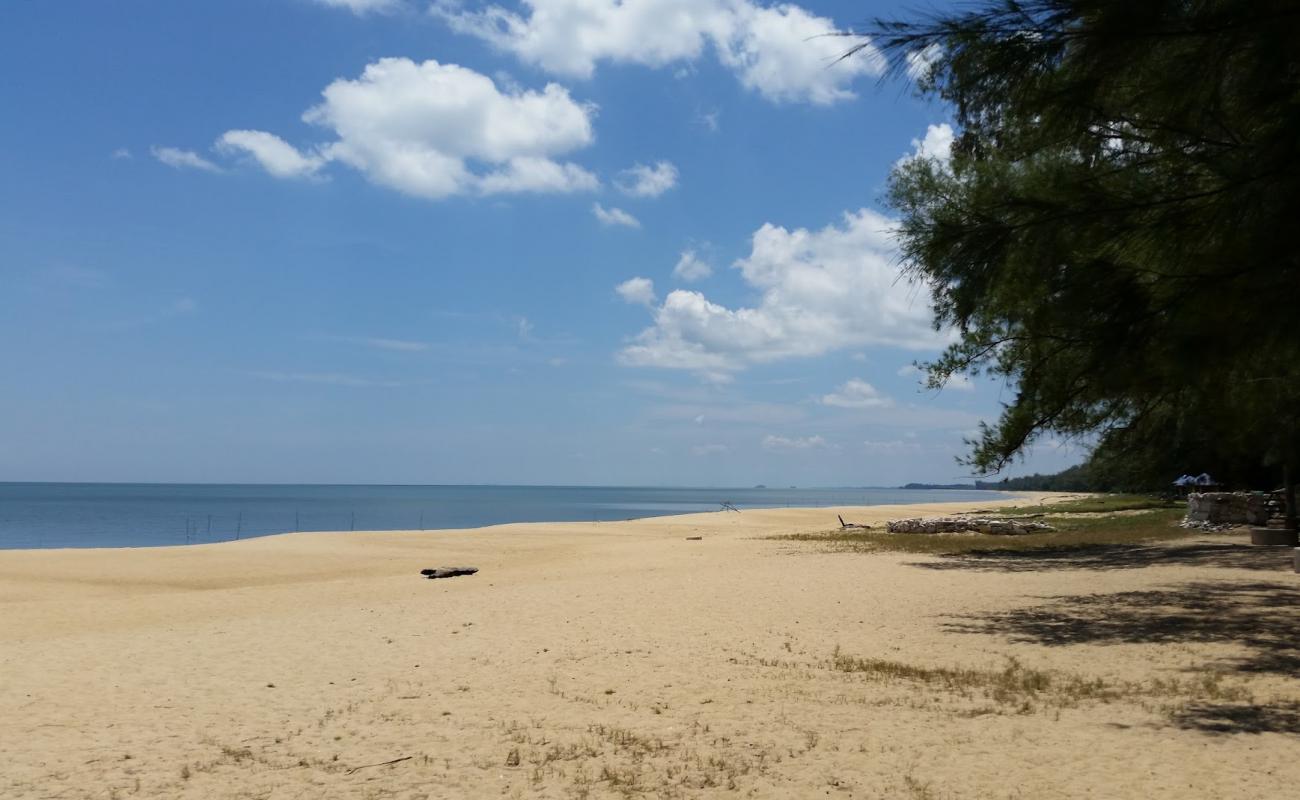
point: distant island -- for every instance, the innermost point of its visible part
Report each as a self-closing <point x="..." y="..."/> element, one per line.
<point x="942" y="486"/>
<point x="1080" y="478"/>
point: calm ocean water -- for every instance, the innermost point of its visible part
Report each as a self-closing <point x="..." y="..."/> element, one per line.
<point x="41" y="515"/>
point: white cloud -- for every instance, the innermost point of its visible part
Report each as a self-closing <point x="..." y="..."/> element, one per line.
<point x="785" y="54"/>
<point x="122" y="153"/>
<point x="643" y="181"/>
<point x="960" y="383"/>
<point x="639" y="291"/>
<point x="919" y="62"/>
<point x="820" y="291"/>
<point x="690" y="268"/>
<point x="957" y="381"/>
<point x="360" y="7"/>
<point x="782" y="443"/>
<point x="782" y="52"/>
<point x="937" y="145"/>
<point x="856" y="393"/>
<point x="614" y="216"/>
<point x="432" y="130"/>
<point x="418" y="128"/>
<point x="183" y="159"/>
<point x="276" y="156"/>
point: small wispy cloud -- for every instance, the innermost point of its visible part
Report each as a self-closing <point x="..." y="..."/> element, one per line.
<point x="691" y="268"/>
<point x="176" y="158"/>
<point x="326" y="379"/>
<point x="709" y="449"/>
<point x="957" y="381"/>
<point x="790" y="444"/>
<point x="361" y="7"/>
<point x="614" y="217"/>
<point x="121" y="153"/>
<point x="856" y="393"/>
<point x="380" y="343"/>
<point x="637" y="291"/>
<point x="643" y="181"/>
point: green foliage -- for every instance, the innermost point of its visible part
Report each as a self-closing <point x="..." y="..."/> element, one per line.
<point x="1113" y="233"/>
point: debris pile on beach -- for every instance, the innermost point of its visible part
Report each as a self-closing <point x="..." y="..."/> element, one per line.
<point x="1001" y="527"/>
<point x="1205" y="525"/>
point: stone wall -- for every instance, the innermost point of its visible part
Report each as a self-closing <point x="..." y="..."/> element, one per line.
<point x="1230" y="508"/>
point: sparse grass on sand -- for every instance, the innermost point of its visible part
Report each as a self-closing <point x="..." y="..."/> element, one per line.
<point x="1107" y="519"/>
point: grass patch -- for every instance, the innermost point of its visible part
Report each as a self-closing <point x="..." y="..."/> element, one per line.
<point x="1024" y="689"/>
<point x="1097" y="504"/>
<point x="1074" y="528"/>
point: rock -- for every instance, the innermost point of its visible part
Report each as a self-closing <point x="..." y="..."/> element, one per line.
<point x="447" y="572"/>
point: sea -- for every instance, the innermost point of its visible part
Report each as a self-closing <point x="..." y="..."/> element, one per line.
<point x="53" y="515"/>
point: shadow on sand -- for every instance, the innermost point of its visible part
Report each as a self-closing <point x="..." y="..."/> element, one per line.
<point x="1119" y="556"/>
<point x="1261" y="618"/>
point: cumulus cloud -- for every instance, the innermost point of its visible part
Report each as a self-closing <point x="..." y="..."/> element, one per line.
<point x="421" y="127"/>
<point x="690" y="268"/>
<point x="856" y="393"/>
<point x="782" y="443"/>
<point x="819" y="291"/>
<point x="432" y="130"/>
<point x="614" y="216"/>
<point x="183" y="159"/>
<point x="276" y="156"/>
<point x="936" y="145"/>
<point x="782" y="52"/>
<point x="643" y="181"/>
<point x="638" y="291"/>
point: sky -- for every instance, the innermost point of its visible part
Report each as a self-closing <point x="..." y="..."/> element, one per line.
<point x="406" y="241"/>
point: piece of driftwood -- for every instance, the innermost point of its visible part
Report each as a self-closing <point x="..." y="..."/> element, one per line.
<point x="380" y="764"/>
<point x="846" y="525"/>
<point x="694" y="538"/>
<point x="729" y="507"/>
<point x="447" y="572"/>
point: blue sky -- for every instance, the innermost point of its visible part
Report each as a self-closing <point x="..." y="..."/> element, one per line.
<point x="403" y="241"/>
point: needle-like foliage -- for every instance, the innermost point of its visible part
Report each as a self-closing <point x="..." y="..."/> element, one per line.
<point x="1115" y="232"/>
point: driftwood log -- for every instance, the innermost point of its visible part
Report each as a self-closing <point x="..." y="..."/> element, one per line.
<point x="447" y="572"/>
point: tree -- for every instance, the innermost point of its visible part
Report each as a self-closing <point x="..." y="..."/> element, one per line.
<point x="1115" y="231"/>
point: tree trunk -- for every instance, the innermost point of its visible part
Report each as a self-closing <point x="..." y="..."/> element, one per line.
<point x="1288" y="486"/>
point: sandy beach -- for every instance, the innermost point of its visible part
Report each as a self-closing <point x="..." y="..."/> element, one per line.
<point x="627" y="659"/>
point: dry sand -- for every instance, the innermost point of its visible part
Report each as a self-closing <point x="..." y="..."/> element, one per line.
<point x="622" y="659"/>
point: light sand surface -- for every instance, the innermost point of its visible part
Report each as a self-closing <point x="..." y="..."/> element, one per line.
<point x="622" y="659"/>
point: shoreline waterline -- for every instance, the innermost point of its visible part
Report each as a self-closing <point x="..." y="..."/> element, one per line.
<point x="60" y="516"/>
